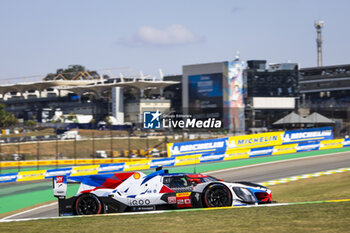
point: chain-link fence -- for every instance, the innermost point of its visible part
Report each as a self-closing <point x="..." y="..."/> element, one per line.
<point x="92" y="145"/>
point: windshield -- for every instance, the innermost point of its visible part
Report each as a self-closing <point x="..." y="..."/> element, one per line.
<point x="176" y="182"/>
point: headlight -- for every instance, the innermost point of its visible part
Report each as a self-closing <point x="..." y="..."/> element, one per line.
<point x="245" y="195"/>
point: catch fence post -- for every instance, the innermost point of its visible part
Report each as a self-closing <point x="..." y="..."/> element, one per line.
<point x="56" y="151"/>
<point x="111" y="134"/>
<point x="18" y="158"/>
<point x="0" y="157"/>
<point x="75" y="151"/>
<point x="93" y="148"/>
<point x="129" y="144"/>
<point x="147" y="143"/>
<point x="37" y="153"/>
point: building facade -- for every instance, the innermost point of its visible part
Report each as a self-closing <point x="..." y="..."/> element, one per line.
<point x="215" y="90"/>
<point x="124" y="99"/>
<point x="326" y="90"/>
<point x="271" y="92"/>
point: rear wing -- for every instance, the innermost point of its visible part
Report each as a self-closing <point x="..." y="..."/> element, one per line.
<point x="59" y="186"/>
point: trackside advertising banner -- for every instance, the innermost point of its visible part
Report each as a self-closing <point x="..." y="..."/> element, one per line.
<point x="255" y="140"/>
<point x="316" y="134"/>
<point x="211" y="146"/>
<point x="230" y="145"/>
<point x="66" y="162"/>
<point x="221" y="146"/>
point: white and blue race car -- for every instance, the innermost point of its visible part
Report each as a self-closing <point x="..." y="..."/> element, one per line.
<point x="135" y="191"/>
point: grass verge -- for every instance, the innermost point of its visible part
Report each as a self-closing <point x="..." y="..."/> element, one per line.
<point x="328" y="187"/>
<point x="325" y="217"/>
<point x="28" y="195"/>
<point x="319" y="217"/>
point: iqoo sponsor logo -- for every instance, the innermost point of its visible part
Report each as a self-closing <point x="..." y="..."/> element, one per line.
<point x="139" y="202"/>
<point x="154" y="120"/>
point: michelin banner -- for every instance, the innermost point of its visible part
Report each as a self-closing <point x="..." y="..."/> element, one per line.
<point x="255" y="140"/>
<point x="314" y="134"/>
<point x="211" y="146"/>
<point x="224" y="145"/>
<point x="229" y="145"/>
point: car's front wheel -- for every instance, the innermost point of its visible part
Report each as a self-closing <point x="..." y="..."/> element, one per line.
<point x="217" y="195"/>
<point x="88" y="204"/>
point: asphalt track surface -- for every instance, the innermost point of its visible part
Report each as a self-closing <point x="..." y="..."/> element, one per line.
<point x="254" y="173"/>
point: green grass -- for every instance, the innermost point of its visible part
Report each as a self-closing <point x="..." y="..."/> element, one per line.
<point x="328" y="187"/>
<point x="319" y="217"/>
<point x="326" y="217"/>
<point x="29" y="194"/>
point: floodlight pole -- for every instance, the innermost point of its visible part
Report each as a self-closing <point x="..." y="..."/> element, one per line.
<point x="319" y="25"/>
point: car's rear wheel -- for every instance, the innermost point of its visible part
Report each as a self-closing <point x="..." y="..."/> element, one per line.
<point x="88" y="204"/>
<point x="217" y="195"/>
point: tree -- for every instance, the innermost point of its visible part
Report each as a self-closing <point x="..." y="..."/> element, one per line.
<point x="108" y="121"/>
<point x="7" y="119"/>
<point x="72" y="116"/>
<point x="73" y="72"/>
<point x="30" y="123"/>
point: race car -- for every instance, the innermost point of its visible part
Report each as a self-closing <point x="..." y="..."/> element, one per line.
<point x="135" y="191"/>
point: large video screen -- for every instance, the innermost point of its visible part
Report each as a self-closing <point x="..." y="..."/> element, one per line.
<point x="206" y="95"/>
<point x="205" y="90"/>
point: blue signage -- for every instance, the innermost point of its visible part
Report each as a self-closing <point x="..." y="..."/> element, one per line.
<point x="305" y="135"/>
<point x="210" y="146"/>
<point x="254" y="152"/>
<point x="167" y="162"/>
<point x="309" y="146"/>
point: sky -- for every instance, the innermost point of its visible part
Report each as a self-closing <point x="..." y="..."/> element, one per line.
<point x="40" y="36"/>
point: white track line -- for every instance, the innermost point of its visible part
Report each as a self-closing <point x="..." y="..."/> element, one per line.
<point x="305" y="176"/>
<point x="272" y="162"/>
<point x="27" y="211"/>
